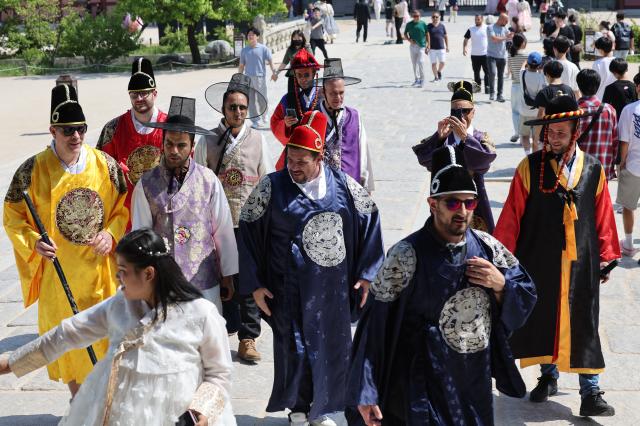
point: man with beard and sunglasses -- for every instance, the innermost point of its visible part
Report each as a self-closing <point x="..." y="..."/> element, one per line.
<point x="126" y="138"/>
<point x="239" y="156"/>
<point x="185" y="203"/>
<point x="79" y="193"/>
<point x="442" y="305"/>
<point x="478" y="150"/>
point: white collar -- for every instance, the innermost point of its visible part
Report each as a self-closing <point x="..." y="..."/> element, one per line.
<point x="314" y="189"/>
<point x="141" y="128"/>
<point x="470" y="131"/>
<point x="76" y="168"/>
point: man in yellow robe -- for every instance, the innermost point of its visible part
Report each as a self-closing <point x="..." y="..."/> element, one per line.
<point x="79" y="193"/>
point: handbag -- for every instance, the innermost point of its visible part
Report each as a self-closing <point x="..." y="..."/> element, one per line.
<point x="528" y="100"/>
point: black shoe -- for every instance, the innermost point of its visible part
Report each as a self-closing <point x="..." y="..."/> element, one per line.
<point x="357" y="39"/>
<point x="439" y="75"/>
<point x="594" y="405"/>
<point x="546" y="387"/>
<point x="486" y="90"/>
<point x="398" y="41"/>
<point x="500" y="98"/>
<point x="492" y="97"/>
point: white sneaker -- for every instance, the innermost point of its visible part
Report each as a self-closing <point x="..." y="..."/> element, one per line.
<point x="298" y="419"/>
<point x="324" y="421"/>
<point x="626" y="251"/>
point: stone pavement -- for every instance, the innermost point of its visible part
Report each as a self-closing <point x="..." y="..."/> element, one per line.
<point x="396" y="116"/>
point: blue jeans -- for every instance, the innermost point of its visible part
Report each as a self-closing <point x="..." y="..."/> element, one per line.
<point x="588" y="382"/>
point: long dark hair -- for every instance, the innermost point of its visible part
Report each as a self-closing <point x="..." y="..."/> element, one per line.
<point x="519" y="40"/>
<point x="144" y="247"/>
<point x="298" y="33"/>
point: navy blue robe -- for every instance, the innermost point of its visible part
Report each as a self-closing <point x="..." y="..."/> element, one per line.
<point x="429" y="343"/>
<point x="309" y="254"/>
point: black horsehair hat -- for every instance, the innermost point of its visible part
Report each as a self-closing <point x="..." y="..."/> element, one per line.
<point x="65" y="109"/>
<point x="463" y="90"/>
<point x="239" y="83"/>
<point x="449" y="174"/>
<point x="181" y="117"/>
<point x="560" y="108"/>
<point x="141" y="76"/>
<point x="333" y="70"/>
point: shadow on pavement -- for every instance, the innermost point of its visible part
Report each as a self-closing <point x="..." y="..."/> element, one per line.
<point x="508" y="172"/>
<point x="30" y="420"/>
<point x="509" y="409"/>
<point x="14" y="342"/>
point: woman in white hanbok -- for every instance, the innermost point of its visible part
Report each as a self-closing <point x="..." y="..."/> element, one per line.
<point x="168" y="354"/>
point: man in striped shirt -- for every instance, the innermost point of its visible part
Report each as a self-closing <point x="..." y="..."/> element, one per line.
<point x="601" y="140"/>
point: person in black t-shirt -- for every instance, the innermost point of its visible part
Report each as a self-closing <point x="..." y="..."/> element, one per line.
<point x="553" y="73"/>
<point x="577" y="42"/>
<point x="621" y="92"/>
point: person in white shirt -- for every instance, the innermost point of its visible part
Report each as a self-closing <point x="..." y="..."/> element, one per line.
<point x="478" y="37"/>
<point x="569" y="70"/>
<point x="629" y="177"/>
<point x="532" y="80"/>
<point x="604" y="48"/>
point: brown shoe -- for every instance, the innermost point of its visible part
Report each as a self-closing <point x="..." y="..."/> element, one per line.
<point x="247" y="350"/>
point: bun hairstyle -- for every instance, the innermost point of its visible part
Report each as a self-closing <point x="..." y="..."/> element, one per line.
<point x="144" y="248"/>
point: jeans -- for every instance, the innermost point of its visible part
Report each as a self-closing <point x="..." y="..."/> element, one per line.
<point x="622" y="54"/>
<point x="318" y="42"/>
<point x="516" y="101"/>
<point x="398" y="28"/>
<point x="588" y="382"/>
<point x="496" y="69"/>
<point x="359" y="26"/>
<point x="417" y="60"/>
<point x="480" y="62"/>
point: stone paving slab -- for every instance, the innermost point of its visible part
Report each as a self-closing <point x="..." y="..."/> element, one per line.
<point x="396" y="116"/>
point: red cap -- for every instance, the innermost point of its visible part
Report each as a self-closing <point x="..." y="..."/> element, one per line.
<point x="310" y="132"/>
<point x="304" y="59"/>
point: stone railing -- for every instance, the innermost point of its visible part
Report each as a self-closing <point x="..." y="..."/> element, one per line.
<point x="278" y="36"/>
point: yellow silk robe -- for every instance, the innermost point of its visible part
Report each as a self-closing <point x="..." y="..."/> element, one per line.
<point x="73" y="209"/>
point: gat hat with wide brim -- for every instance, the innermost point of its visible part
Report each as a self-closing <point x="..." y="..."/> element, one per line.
<point x="463" y="90"/>
<point x="333" y="70"/>
<point x="560" y="108"/>
<point x="65" y="109"/>
<point x="142" y="77"/>
<point x="181" y="117"/>
<point x="239" y="83"/>
<point x="449" y="174"/>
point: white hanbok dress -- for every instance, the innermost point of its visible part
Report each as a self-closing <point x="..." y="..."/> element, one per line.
<point x="153" y="371"/>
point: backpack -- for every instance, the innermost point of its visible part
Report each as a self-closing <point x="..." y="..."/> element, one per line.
<point x="622" y="31"/>
<point x="528" y="100"/>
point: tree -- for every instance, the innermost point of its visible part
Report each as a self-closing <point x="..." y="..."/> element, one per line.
<point x="34" y="27"/>
<point x="190" y="13"/>
<point x="100" y="40"/>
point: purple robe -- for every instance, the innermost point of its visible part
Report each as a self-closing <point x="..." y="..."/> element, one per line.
<point x="178" y="217"/>
<point x="342" y="149"/>
<point x="479" y="153"/>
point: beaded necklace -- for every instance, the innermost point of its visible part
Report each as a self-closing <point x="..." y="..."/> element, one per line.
<point x="563" y="161"/>
<point x="315" y="98"/>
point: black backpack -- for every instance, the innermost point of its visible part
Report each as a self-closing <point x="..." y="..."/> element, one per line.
<point x="622" y="31"/>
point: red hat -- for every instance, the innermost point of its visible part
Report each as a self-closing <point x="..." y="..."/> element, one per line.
<point x="304" y="59"/>
<point x="309" y="134"/>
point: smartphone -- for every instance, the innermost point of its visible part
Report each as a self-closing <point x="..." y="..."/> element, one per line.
<point x="291" y="112"/>
<point x="604" y="271"/>
<point x="187" y="419"/>
<point x="457" y="113"/>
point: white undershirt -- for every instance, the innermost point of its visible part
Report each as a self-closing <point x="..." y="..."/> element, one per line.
<point x="470" y="130"/>
<point x="79" y="165"/>
<point x="141" y="128"/>
<point x="315" y="189"/>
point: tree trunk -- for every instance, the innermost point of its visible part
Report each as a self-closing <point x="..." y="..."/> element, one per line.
<point x="193" y="43"/>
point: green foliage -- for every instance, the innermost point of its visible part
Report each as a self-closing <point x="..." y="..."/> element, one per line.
<point x="32" y="27"/>
<point x="220" y="33"/>
<point x="100" y="40"/>
<point x="176" y="40"/>
<point x="246" y="10"/>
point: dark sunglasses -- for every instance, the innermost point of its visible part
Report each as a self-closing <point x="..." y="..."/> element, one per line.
<point x="304" y="75"/>
<point x="460" y="111"/>
<point x="236" y="107"/>
<point x="70" y="130"/>
<point x="453" y="204"/>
